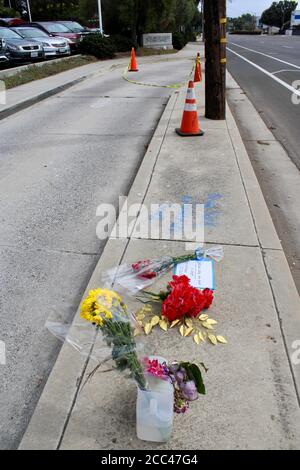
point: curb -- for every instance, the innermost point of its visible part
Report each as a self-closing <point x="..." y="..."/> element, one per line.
<point x="42" y="96"/>
<point x="15" y="70"/>
<point x="50" y="418"/>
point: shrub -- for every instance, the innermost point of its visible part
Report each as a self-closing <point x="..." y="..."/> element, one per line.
<point x="122" y="43"/>
<point x="98" y="46"/>
<point x="190" y="36"/>
<point x="178" y="40"/>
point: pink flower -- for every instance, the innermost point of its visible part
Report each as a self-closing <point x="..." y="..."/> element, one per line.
<point x="155" y="368"/>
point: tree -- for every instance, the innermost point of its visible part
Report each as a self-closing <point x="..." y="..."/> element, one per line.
<point x="5" y="11"/>
<point x="129" y="17"/>
<point x="87" y="10"/>
<point x="279" y="13"/>
<point x="135" y="17"/>
<point x="246" y="22"/>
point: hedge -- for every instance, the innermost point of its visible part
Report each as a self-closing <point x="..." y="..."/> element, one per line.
<point x="98" y="46"/>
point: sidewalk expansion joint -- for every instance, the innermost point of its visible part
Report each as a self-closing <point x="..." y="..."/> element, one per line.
<point x="269" y="277"/>
<point x="244" y="245"/>
<point x="50" y="250"/>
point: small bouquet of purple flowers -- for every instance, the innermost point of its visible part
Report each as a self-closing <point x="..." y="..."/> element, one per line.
<point x="185" y="377"/>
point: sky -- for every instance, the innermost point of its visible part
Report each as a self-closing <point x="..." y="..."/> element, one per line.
<point x="238" y="7"/>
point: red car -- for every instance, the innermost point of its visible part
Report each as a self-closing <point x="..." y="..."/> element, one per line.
<point x="11" y="22"/>
<point x="57" y="29"/>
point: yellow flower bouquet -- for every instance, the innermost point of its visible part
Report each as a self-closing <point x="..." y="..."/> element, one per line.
<point x="106" y="310"/>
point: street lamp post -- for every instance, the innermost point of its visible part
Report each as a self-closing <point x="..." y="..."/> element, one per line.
<point x="29" y="11"/>
<point x="100" y="16"/>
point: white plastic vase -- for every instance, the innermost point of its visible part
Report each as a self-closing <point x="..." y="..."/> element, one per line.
<point x="154" y="410"/>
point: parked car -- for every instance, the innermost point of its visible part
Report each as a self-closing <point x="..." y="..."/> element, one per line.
<point x="20" y="49"/>
<point x="57" y="29"/>
<point x="75" y="27"/>
<point x="11" y="21"/>
<point x="3" y="51"/>
<point x="53" y="46"/>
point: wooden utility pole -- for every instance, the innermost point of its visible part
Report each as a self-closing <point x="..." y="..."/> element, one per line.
<point x="215" y="58"/>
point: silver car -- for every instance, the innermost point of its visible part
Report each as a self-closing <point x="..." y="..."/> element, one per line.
<point x="53" y="46"/>
<point x="19" y="49"/>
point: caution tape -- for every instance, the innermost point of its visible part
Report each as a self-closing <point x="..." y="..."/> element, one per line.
<point x="174" y="85"/>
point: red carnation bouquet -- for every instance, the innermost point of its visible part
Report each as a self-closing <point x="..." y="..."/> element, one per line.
<point x="180" y="300"/>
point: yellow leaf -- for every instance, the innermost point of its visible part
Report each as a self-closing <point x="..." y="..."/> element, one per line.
<point x="197" y="339"/>
<point x="207" y="326"/>
<point x="182" y="330"/>
<point x="188" y="331"/>
<point x="212" y="339"/>
<point x="221" y="339"/>
<point x="189" y="323"/>
<point x="136" y="332"/>
<point x="148" y="328"/>
<point x="203" y="317"/>
<point x="210" y="321"/>
<point x="174" y="323"/>
<point x="155" y="320"/>
<point x="201" y="336"/>
<point x="140" y="316"/>
<point x="163" y="324"/>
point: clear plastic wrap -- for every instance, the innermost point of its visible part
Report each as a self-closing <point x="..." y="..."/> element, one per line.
<point x="141" y="274"/>
<point x="105" y="331"/>
<point x="137" y="276"/>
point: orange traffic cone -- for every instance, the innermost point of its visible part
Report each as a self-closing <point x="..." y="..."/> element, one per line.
<point x="190" y="124"/>
<point x="198" y="70"/>
<point x="133" y="65"/>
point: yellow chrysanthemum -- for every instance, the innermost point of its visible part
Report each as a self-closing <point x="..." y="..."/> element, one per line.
<point x="97" y="305"/>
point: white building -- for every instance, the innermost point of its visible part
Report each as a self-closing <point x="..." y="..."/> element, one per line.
<point x="295" y="18"/>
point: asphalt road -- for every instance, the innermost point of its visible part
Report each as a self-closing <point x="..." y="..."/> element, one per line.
<point x="274" y="56"/>
<point x="267" y="95"/>
<point x="59" y="160"/>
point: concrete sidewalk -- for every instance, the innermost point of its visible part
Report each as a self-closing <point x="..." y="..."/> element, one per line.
<point x="253" y="384"/>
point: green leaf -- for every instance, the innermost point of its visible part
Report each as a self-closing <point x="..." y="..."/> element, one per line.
<point x="194" y="374"/>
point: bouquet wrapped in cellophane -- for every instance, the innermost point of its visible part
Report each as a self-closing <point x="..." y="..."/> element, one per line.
<point x="141" y="274"/>
<point x="105" y="309"/>
<point x="110" y="335"/>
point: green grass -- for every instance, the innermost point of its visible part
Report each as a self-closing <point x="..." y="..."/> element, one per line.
<point x="46" y="70"/>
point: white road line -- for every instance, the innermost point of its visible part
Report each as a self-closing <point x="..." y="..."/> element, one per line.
<point x="285" y="70"/>
<point x="266" y="55"/>
<point x="278" y="80"/>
